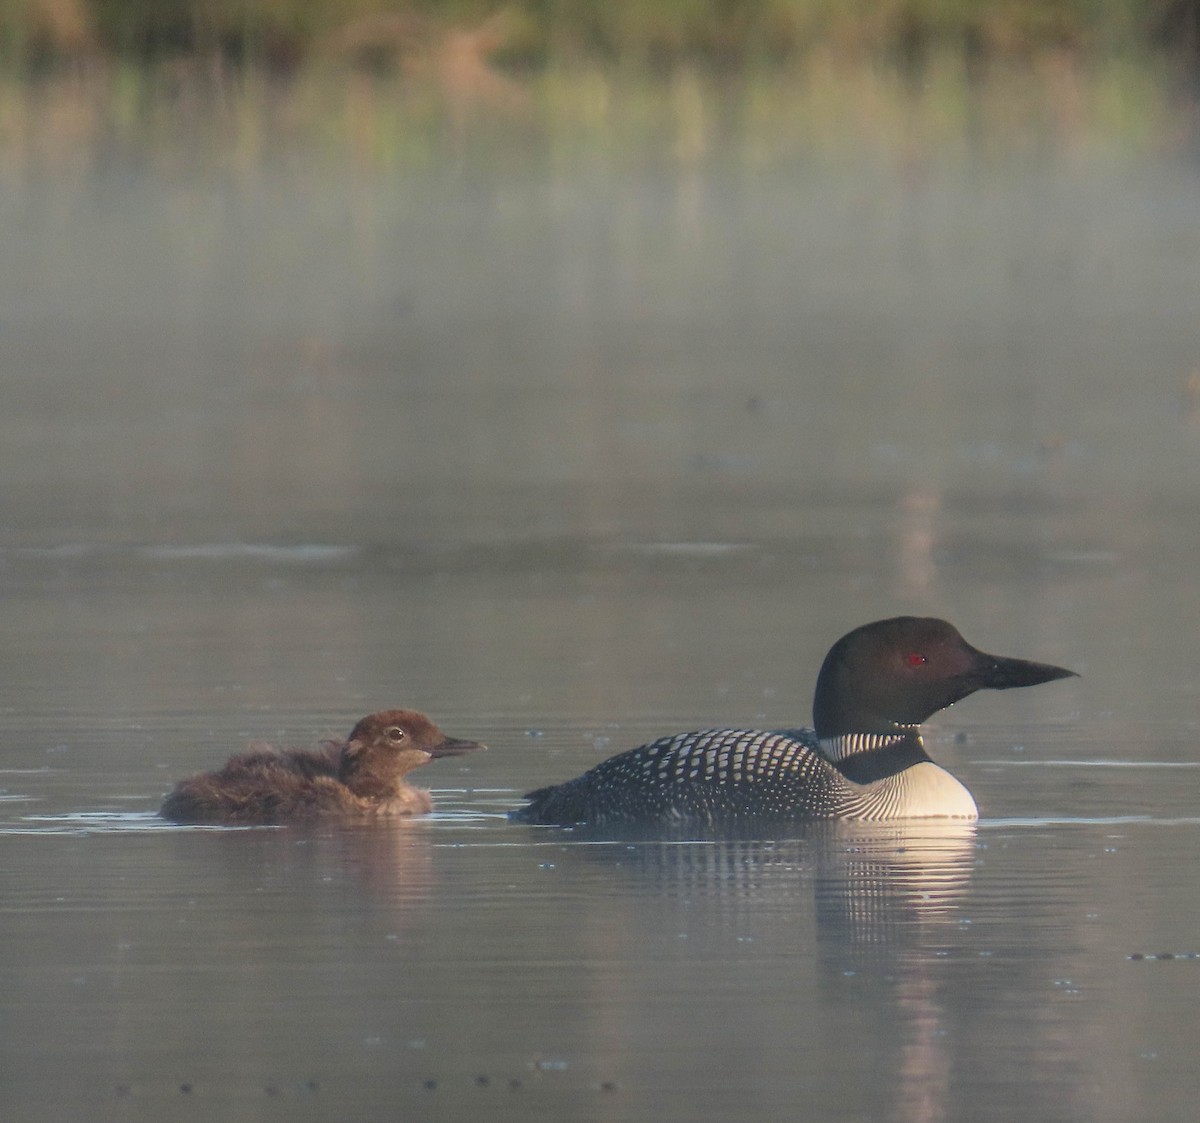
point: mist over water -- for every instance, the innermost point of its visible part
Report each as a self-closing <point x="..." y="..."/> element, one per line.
<point x="572" y="454"/>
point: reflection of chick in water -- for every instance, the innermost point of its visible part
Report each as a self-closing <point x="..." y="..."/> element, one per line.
<point x="360" y="777"/>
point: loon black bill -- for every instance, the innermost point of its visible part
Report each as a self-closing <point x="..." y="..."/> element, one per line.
<point x="1001" y="673"/>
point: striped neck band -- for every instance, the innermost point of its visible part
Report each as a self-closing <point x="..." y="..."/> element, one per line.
<point x="848" y="744"/>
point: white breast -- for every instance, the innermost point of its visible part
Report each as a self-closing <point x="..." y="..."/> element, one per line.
<point x="923" y="791"/>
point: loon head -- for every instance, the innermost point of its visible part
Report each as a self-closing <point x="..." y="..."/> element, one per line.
<point x="384" y="746"/>
<point x="895" y="673"/>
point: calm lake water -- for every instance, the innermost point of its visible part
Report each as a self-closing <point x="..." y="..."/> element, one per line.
<point x="570" y="460"/>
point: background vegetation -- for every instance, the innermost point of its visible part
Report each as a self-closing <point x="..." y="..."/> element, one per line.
<point x="534" y="33"/>
<point x="389" y="83"/>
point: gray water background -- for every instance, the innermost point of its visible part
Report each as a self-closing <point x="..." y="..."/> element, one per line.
<point x="569" y="459"/>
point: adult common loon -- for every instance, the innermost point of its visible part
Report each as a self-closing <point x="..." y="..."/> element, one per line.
<point x="864" y="759"/>
<point x="356" y="778"/>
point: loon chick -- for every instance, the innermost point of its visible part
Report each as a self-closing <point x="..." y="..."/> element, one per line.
<point x="355" y="778"/>
<point x="863" y="760"/>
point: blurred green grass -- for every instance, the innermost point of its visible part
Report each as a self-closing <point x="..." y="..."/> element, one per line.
<point x="537" y="32"/>
<point x="678" y="82"/>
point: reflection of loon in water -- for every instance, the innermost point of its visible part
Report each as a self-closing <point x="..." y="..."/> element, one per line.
<point x="875" y="885"/>
<point x="878" y="884"/>
<point x="885" y="902"/>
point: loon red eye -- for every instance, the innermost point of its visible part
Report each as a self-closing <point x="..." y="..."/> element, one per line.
<point x="916" y="659"/>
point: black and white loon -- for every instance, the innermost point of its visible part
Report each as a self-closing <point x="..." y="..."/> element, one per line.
<point x="863" y="760"/>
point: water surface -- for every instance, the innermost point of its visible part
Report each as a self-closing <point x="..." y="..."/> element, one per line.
<point x="572" y="461"/>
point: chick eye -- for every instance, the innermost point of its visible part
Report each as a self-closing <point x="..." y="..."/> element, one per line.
<point x="916" y="659"/>
<point x="395" y="734"/>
